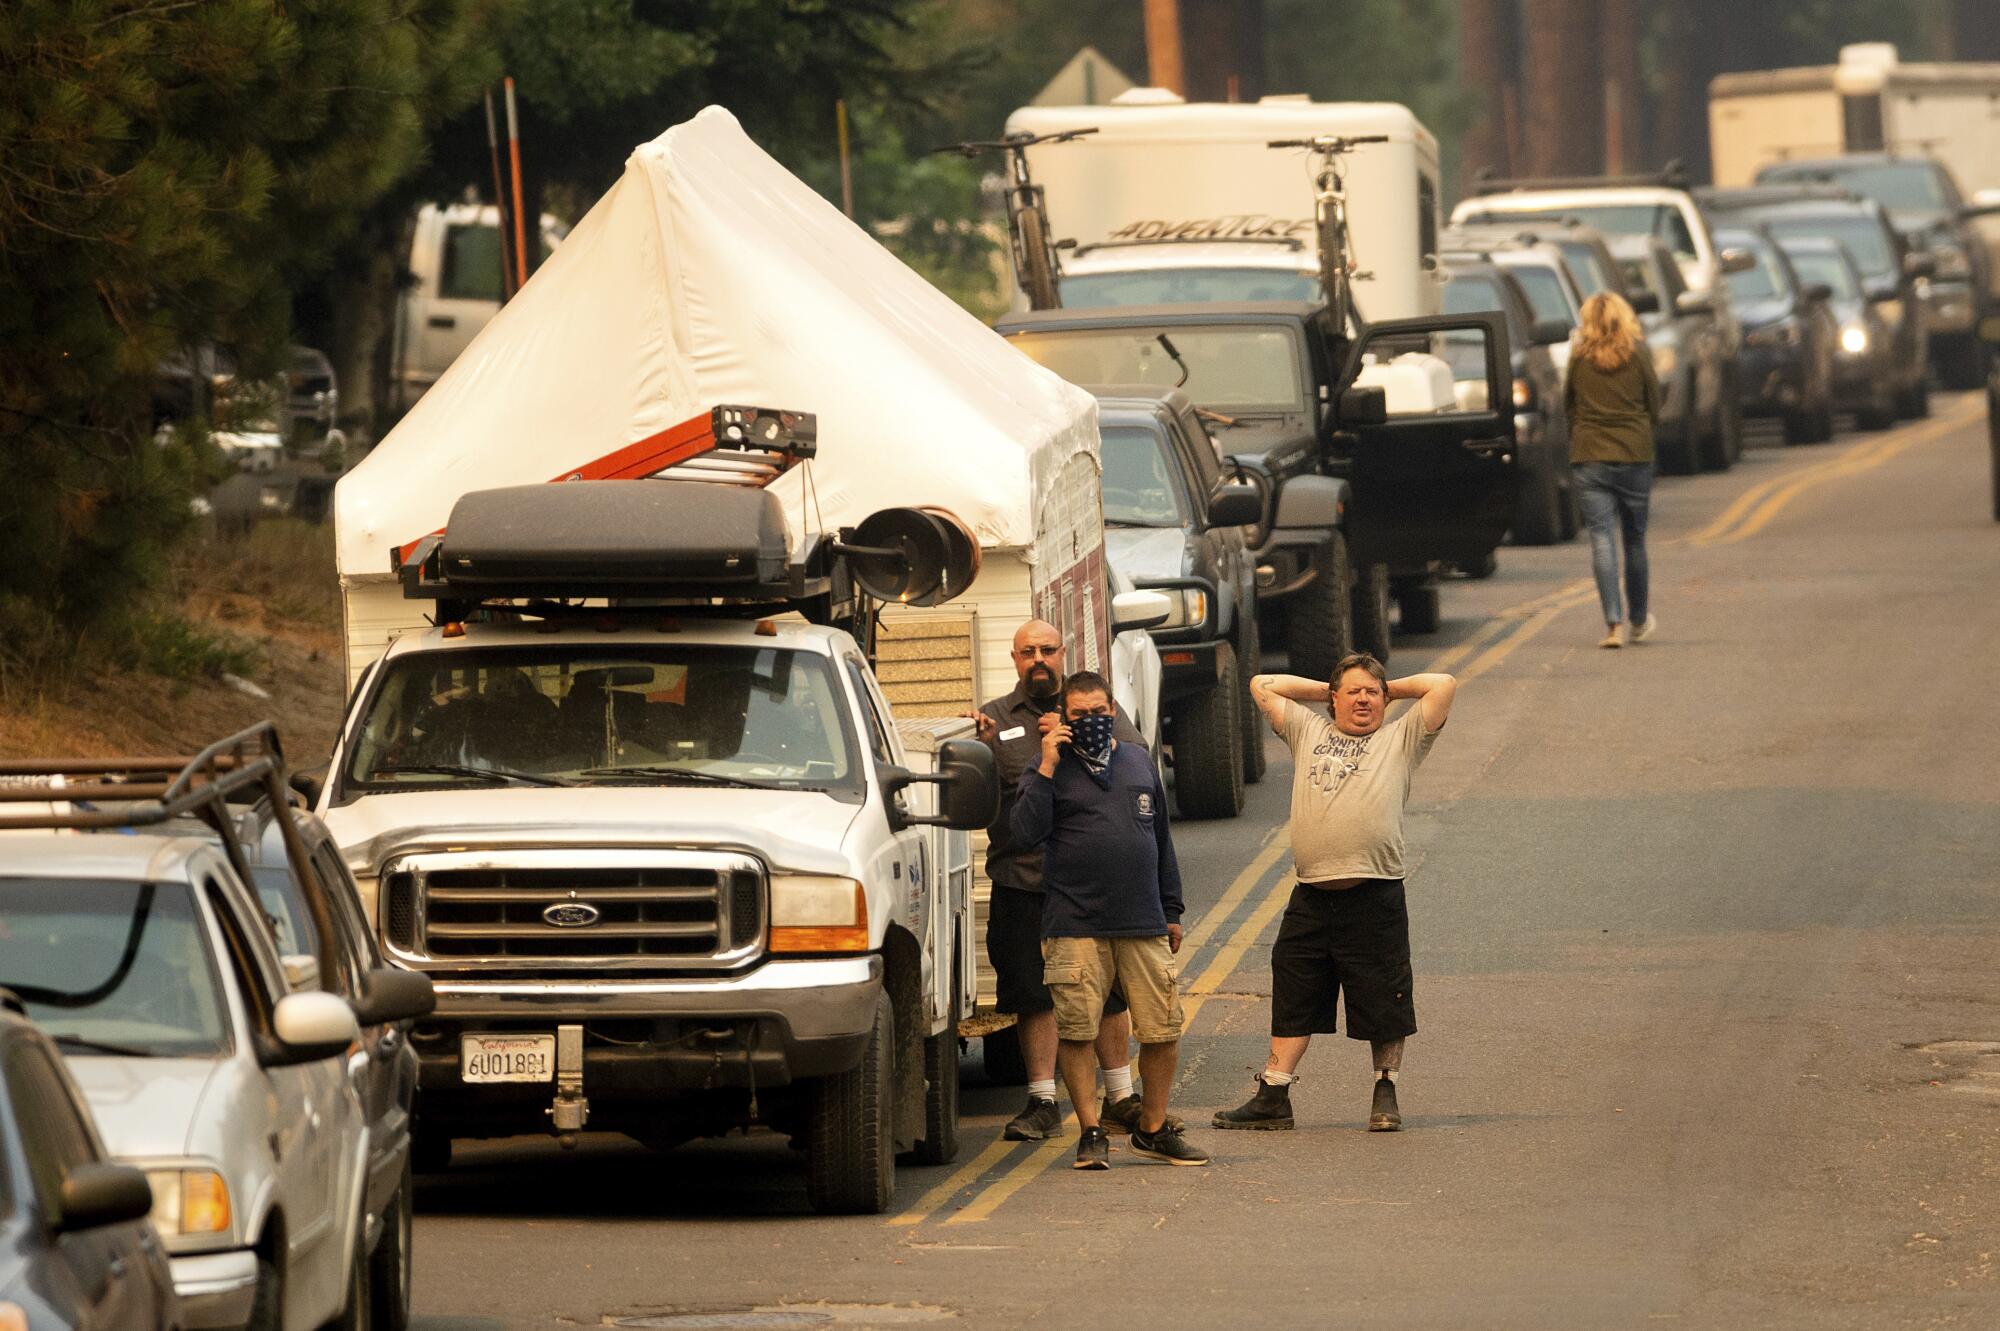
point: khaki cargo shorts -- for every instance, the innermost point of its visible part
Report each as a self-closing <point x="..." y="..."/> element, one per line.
<point x="1080" y="972"/>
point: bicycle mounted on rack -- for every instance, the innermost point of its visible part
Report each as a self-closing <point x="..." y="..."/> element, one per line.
<point x="1337" y="265"/>
<point x="1027" y="212"/>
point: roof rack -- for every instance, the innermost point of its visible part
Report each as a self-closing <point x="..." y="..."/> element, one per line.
<point x="145" y="791"/>
<point x="1288" y="242"/>
<point x="1488" y="181"/>
<point x="1725" y="199"/>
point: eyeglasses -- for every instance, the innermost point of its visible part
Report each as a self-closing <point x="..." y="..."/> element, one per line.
<point x="1030" y="652"/>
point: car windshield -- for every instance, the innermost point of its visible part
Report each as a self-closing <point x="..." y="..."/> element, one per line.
<point x="1253" y="367"/>
<point x="1544" y="289"/>
<point x="114" y="965"/>
<point x="1141" y="485"/>
<point x="1186" y="286"/>
<point x="1585" y="268"/>
<point x="1764" y="280"/>
<point x="1908" y="186"/>
<point x="1817" y="266"/>
<point x="557" y="715"/>
<point x="1864" y="238"/>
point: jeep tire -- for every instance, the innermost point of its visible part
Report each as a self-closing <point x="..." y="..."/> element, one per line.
<point x="1421" y="608"/>
<point x="851" y="1132"/>
<point x="1318" y="623"/>
<point x="1371" y="614"/>
<point x="1208" y="746"/>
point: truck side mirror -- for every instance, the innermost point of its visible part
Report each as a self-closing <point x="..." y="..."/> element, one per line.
<point x="1235" y="506"/>
<point x="1819" y="292"/>
<point x="1645" y="302"/>
<point x="968" y="787"/>
<point x="1549" y="333"/>
<point x="1368" y="405"/>
<point x="1738" y="260"/>
<point x="100" y="1194"/>
<point x="1139" y="610"/>
<point x="1694" y="302"/>
<point x="390" y="993"/>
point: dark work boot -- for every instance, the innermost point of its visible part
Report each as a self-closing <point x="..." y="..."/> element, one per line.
<point x="1383" y="1116"/>
<point x="1038" y="1122"/>
<point x="1270" y="1110"/>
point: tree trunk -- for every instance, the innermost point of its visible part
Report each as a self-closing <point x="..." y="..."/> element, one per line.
<point x="1565" y="88"/>
<point x="1625" y="146"/>
<point x="1223" y="46"/>
<point x="1487" y="66"/>
<point x="1164" y="67"/>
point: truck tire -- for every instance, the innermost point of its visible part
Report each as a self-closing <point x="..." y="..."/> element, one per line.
<point x="1318" y="624"/>
<point x="1959" y="362"/>
<point x="1208" y="747"/>
<point x="940" y="1142"/>
<point x="430" y="1148"/>
<point x="1482" y="568"/>
<point x="1723" y="439"/>
<point x="851" y="1136"/>
<point x="1538" y="510"/>
<point x="1674" y="453"/>
<point x="1421" y="609"/>
<point x="1000" y="1054"/>
<point x="1247" y="658"/>
<point x="1371" y="613"/>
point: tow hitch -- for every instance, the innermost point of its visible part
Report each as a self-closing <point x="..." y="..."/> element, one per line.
<point x="571" y="1110"/>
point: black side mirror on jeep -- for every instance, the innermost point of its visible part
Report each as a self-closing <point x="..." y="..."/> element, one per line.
<point x="1363" y="406"/>
<point x="1235" y="506"/>
<point x="968" y="787"/>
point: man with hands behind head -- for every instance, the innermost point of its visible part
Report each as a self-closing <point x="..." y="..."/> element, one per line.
<point x="1346" y="930"/>
<point x="1111" y="914"/>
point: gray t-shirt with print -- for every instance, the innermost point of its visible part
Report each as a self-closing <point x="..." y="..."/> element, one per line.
<point x="1348" y="793"/>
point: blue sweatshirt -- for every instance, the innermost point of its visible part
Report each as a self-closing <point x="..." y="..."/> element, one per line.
<point x="1108" y="866"/>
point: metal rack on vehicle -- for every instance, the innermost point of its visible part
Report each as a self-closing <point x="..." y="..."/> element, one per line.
<point x="1671" y="176"/>
<point x="131" y="792"/>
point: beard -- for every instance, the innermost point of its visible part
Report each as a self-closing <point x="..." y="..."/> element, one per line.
<point x="1041" y="682"/>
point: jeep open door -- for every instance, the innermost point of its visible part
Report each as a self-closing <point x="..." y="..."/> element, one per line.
<point x="1433" y="481"/>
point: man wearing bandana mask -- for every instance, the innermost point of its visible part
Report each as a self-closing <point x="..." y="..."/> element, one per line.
<point x="1013" y="726"/>
<point x="1111" y="911"/>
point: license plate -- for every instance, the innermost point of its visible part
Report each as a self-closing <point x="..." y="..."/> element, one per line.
<point x="491" y="1058"/>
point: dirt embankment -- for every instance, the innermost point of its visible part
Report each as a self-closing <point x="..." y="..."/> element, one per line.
<point x="239" y="617"/>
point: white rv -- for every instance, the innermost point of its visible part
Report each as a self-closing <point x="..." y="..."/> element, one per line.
<point x="1171" y="202"/>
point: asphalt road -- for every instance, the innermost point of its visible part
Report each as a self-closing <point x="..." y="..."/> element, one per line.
<point x="1705" y="937"/>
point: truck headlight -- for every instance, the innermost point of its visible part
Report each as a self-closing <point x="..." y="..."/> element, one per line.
<point x="1854" y="339"/>
<point x="189" y="1201"/>
<point x="1190" y="607"/>
<point x="815" y="913"/>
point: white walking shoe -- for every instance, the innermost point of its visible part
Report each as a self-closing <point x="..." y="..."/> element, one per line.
<point x="1645" y="630"/>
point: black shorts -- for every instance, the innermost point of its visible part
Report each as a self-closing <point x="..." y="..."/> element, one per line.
<point x="1014" y="946"/>
<point x="1352" y="941"/>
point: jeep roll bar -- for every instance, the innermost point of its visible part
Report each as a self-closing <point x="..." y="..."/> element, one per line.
<point x="146" y="791"/>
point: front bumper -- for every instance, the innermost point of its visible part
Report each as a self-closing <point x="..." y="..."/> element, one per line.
<point x="217" y="1289"/>
<point x="1187" y="669"/>
<point x="644" y="1039"/>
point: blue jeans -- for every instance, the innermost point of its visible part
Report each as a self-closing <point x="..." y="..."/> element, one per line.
<point x="1613" y="496"/>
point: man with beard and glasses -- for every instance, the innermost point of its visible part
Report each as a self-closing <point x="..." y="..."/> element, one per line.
<point x="1013" y="726"/>
<point x="1111" y="913"/>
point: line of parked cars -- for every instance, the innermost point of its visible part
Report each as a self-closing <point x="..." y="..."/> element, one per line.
<point x="228" y="1126"/>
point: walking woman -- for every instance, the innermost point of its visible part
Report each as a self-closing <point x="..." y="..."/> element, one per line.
<point x="1614" y="401"/>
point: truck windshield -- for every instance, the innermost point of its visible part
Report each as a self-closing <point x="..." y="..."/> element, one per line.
<point x="1544" y="289"/>
<point x="113" y="966"/>
<point x="1247" y="368"/>
<point x="1864" y="237"/>
<point x="1186" y="286"/>
<point x="1141" y="485"/>
<point x="1904" y="186"/>
<point x="1622" y="219"/>
<point x="562" y="714"/>
<point x="1585" y="268"/>
<point x="1819" y="266"/>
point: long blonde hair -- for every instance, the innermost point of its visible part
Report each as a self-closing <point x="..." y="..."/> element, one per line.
<point x="1609" y="334"/>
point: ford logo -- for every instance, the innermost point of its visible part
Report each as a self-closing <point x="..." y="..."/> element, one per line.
<point x="571" y="914"/>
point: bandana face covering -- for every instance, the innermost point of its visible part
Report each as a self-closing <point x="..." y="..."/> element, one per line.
<point x="1090" y="741"/>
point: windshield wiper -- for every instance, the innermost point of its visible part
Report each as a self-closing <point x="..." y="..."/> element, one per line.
<point x="102" y="1046"/>
<point x="669" y="772"/>
<point x="506" y="774"/>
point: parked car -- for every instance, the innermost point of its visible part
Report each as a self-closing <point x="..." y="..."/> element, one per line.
<point x="1174" y="523"/>
<point x="1927" y="209"/>
<point x="210" y="1059"/>
<point x="77" y="1249"/>
<point x="1546" y="510"/>
<point x="1889" y="271"/>
<point x="1689" y="353"/>
<point x="1863" y="371"/>
<point x="1785" y="366"/>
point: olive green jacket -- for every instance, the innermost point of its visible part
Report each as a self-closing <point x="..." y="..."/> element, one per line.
<point x="1612" y="412"/>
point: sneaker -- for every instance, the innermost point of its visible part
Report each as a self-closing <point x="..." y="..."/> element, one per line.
<point x="1614" y="636"/>
<point x="1121" y="1116"/>
<point x="1383" y="1116"/>
<point x="1093" y="1150"/>
<point x="1645" y="630"/>
<point x="1168" y="1145"/>
<point x="1270" y="1110"/>
<point x="1038" y="1122"/>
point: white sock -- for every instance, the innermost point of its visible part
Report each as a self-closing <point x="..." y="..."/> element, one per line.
<point x="1273" y="1077"/>
<point x="1043" y="1090"/>
<point x="1117" y="1082"/>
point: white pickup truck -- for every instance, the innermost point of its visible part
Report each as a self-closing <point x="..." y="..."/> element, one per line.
<point x="671" y="864"/>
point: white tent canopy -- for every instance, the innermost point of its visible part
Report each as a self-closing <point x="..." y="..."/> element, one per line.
<point x="710" y="275"/>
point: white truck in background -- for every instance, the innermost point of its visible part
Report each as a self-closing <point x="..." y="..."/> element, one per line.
<point x="451" y="289"/>
<point x="1169" y="202"/>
